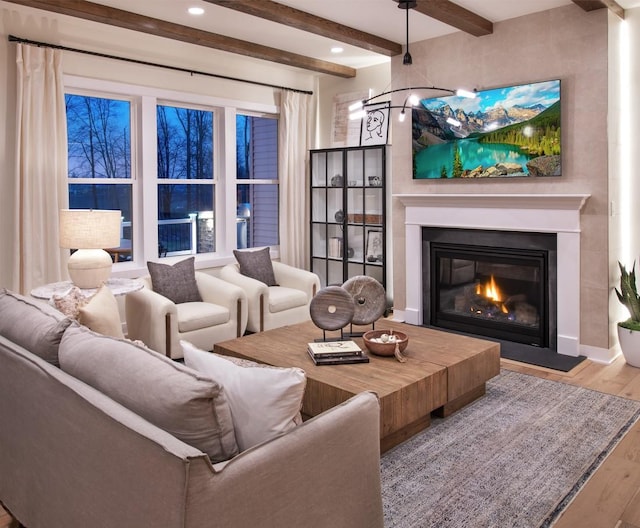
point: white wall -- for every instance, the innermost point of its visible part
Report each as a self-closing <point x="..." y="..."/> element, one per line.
<point x="624" y="154"/>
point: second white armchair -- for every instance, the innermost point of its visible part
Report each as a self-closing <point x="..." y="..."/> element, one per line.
<point x="275" y="306"/>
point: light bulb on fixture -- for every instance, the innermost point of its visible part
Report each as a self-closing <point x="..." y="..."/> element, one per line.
<point x="460" y="92"/>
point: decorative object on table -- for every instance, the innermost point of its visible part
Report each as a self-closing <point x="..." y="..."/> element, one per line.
<point x="629" y="330"/>
<point x="386" y="343"/>
<point x="374" y="245"/>
<point x="89" y="231"/>
<point x="336" y="181"/>
<point x="369" y="298"/>
<point x="374" y="181"/>
<point x="339" y="360"/>
<point x="334" y="349"/>
<point x="339" y="216"/>
<point x="331" y="309"/>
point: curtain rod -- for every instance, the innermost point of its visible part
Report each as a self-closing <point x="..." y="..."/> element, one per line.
<point x="145" y="63"/>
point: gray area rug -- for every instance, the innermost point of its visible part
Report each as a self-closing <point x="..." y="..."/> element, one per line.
<point x="514" y="458"/>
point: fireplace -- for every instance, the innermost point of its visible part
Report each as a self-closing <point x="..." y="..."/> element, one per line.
<point x="497" y="284"/>
<point x="554" y="214"/>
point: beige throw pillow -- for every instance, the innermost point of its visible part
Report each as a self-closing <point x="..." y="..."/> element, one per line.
<point x="101" y="313"/>
<point x="264" y="402"/>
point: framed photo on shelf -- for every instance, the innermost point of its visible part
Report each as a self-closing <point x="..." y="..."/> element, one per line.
<point x="374" y="128"/>
<point x="373" y="252"/>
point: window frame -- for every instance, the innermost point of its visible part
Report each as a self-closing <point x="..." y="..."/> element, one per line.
<point x="262" y="181"/>
<point x="144" y="174"/>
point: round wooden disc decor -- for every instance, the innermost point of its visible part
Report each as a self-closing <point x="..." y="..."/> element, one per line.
<point x="332" y="308"/>
<point x="369" y="299"/>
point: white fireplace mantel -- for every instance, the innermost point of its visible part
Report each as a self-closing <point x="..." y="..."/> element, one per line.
<point x="543" y="213"/>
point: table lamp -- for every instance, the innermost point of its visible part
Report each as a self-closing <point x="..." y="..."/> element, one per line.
<point x="89" y="231"/>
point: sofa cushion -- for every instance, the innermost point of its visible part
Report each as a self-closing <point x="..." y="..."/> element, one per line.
<point x="177" y="282"/>
<point x="194" y="316"/>
<point x="169" y="395"/>
<point x="265" y="402"/>
<point x="282" y="298"/>
<point x="256" y="263"/>
<point x="101" y="313"/>
<point x="33" y="325"/>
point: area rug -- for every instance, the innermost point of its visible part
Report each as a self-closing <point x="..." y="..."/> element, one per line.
<point x="514" y="458"/>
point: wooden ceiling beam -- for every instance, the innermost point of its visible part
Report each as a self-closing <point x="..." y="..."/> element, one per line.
<point x="161" y="28"/>
<point x="591" y="5"/>
<point x="455" y="16"/>
<point x="289" y="16"/>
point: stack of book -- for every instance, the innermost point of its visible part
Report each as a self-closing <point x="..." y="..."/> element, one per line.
<point x="336" y="353"/>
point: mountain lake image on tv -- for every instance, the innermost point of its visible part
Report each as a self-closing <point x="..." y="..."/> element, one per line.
<point x="502" y="132"/>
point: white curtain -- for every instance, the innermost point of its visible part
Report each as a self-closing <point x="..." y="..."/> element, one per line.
<point x="295" y="138"/>
<point x="41" y="168"/>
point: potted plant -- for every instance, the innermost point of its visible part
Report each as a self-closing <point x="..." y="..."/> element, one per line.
<point x="629" y="330"/>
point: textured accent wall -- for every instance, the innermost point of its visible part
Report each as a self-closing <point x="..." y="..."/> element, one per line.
<point x="565" y="43"/>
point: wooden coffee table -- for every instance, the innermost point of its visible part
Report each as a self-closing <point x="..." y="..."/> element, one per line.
<point x="443" y="372"/>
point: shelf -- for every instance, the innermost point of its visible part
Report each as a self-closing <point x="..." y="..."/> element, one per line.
<point x="362" y="205"/>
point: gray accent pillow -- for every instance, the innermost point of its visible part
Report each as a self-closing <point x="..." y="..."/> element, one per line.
<point x="191" y="407"/>
<point x="256" y="264"/>
<point x="33" y="325"/>
<point x="177" y="282"/>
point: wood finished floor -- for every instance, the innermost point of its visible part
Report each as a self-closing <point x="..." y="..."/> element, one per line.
<point x="611" y="498"/>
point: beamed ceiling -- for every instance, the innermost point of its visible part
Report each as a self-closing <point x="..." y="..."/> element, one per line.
<point x="444" y="11"/>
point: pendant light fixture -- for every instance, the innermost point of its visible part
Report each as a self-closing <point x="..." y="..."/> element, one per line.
<point x="357" y="110"/>
<point x="406" y="5"/>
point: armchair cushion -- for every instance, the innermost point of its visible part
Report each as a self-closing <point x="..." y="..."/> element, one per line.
<point x="194" y="316"/>
<point x="177" y="282"/>
<point x="256" y="263"/>
<point x="171" y="396"/>
<point x="264" y="401"/>
<point x="282" y="298"/>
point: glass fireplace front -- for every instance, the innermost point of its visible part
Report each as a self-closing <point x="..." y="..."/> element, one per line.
<point x="491" y="290"/>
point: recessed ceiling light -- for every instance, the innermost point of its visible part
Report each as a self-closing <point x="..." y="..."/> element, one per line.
<point x="337" y="49"/>
<point x="196" y="11"/>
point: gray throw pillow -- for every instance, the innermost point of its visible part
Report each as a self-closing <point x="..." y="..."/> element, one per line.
<point x="33" y="325"/>
<point x="257" y="265"/>
<point x="177" y="282"/>
<point x="190" y="406"/>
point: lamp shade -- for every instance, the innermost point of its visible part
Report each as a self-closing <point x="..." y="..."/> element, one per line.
<point x="89" y="231"/>
<point x="89" y="228"/>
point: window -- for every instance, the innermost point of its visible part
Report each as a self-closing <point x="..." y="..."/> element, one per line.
<point x="257" y="180"/>
<point x="186" y="220"/>
<point x="99" y="158"/>
<point x="165" y="159"/>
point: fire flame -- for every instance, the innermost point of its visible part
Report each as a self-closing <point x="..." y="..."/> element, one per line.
<point x="491" y="291"/>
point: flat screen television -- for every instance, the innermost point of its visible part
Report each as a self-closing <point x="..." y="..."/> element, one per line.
<point x="503" y="132"/>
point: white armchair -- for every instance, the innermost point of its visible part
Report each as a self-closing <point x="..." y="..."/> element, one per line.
<point x="160" y="323"/>
<point x="275" y="306"/>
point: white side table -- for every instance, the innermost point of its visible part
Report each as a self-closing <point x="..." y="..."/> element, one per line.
<point x="117" y="287"/>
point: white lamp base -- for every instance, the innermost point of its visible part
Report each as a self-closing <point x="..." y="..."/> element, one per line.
<point x="89" y="268"/>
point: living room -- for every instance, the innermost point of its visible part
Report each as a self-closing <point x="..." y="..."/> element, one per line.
<point x="590" y="52"/>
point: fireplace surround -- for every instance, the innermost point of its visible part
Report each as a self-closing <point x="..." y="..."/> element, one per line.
<point x="537" y="213"/>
